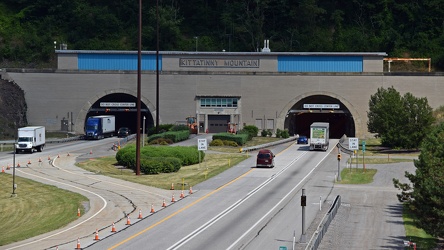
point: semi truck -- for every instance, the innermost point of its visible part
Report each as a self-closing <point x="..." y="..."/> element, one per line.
<point x="319" y="136"/>
<point x="99" y="127"/>
<point x="30" y="138"/>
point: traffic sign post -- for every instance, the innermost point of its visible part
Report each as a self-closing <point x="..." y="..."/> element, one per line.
<point x="201" y="146"/>
<point x="363" y="153"/>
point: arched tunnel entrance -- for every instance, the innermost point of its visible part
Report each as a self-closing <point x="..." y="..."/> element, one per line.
<point x="320" y="108"/>
<point x="123" y="107"/>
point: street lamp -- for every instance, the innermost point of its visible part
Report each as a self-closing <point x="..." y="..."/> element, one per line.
<point x="143" y="137"/>
<point x="196" y="38"/>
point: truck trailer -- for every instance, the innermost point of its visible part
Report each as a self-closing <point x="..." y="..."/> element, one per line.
<point x="99" y="127"/>
<point x="30" y="138"/>
<point x="319" y="136"/>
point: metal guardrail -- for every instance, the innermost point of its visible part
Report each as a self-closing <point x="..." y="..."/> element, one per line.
<point x="343" y="145"/>
<point x="252" y="148"/>
<point x="316" y="239"/>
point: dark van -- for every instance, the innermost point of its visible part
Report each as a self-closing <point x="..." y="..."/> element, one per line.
<point x="265" y="158"/>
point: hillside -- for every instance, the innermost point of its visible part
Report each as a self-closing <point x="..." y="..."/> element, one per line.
<point x="12" y="109"/>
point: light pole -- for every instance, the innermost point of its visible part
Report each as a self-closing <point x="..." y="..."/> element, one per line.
<point x="196" y="38"/>
<point x="143" y="138"/>
<point x="14" y="186"/>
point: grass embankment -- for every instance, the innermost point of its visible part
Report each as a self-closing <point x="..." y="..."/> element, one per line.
<point x="213" y="165"/>
<point x="417" y="235"/>
<point x="36" y="209"/>
<point x="357" y="176"/>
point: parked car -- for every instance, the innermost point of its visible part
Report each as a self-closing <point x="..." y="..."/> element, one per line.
<point x="265" y="158"/>
<point x="302" y="139"/>
<point x="123" y="132"/>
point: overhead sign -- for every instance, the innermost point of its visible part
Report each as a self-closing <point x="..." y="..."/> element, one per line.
<point x="353" y="143"/>
<point x="321" y="106"/>
<point x="202" y="144"/>
<point x="118" y="104"/>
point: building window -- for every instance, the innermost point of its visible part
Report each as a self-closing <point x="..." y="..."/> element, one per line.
<point x="218" y="102"/>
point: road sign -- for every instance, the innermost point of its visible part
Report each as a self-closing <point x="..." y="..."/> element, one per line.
<point x="363" y="146"/>
<point x="353" y="143"/>
<point x="202" y="144"/>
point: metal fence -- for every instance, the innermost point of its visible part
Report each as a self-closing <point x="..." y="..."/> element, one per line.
<point x="321" y="230"/>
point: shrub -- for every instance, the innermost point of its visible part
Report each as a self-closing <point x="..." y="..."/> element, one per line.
<point x="162" y="128"/>
<point x="174" y="136"/>
<point x="187" y="155"/>
<point x="230" y="143"/>
<point x="278" y="133"/>
<point x="264" y="133"/>
<point x="217" y="143"/>
<point x="240" y="139"/>
<point x="245" y="132"/>
<point x="269" y="132"/>
<point x="161" y="141"/>
<point x="285" y="134"/>
<point x="180" y="127"/>
<point x="251" y="129"/>
<point x="157" y="165"/>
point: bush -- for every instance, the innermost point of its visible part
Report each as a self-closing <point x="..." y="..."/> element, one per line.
<point x="264" y="133"/>
<point x="162" y="128"/>
<point x="278" y="133"/>
<point x="240" y="139"/>
<point x="180" y="127"/>
<point x="252" y="130"/>
<point x="174" y="136"/>
<point x="245" y="132"/>
<point x="285" y="134"/>
<point x="230" y="143"/>
<point x="161" y="141"/>
<point x="217" y="143"/>
<point x="127" y="156"/>
<point x="269" y="132"/>
<point x="187" y="155"/>
<point x="157" y="165"/>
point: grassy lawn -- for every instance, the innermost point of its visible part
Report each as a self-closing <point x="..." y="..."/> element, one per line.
<point x="37" y="208"/>
<point x="357" y="176"/>
<point x="378" y="160"/>
<point x="212" y="165"/>
<point x="417" y="235"/>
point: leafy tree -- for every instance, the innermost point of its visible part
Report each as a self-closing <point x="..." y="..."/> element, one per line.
<point x="399" y="121"/>
<point x="424" y="195"/>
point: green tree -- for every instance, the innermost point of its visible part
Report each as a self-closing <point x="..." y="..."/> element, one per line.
<point x="424" y="195"/>
<point x="399" y="121"/>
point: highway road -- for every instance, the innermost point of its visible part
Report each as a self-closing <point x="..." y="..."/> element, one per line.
<point x="243" y="208"/>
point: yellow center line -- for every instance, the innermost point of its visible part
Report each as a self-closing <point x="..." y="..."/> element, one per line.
<point x="181" y="210"/>
<point x="188" y="206"/>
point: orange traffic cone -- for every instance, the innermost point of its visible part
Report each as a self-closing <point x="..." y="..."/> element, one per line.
<point x="49" y="158"/>
<point x="113" y="228"/>
<point x="128" y="222"/>
<point x="191" y="190"/>
<point x="3" y="169"/>
<point x="78" y="212"/>
<point x="172" y="186"/>
<point x="164" y="204"/>
<point x="90" y="152"/>
<point x="58" y="156"/>
<point x="96" y="237"/>
<point x="182" y="195"/>
<point x="140" y="214"/>
<point x="78" y="244"/>
<point x="18" y="164"/>
<point x="29" y="161"/>
<point x="67" y="154"/>
<point x="172" y="199"/>
<point x="40" y="159"/>
<point x="8" y="167"/>
<point x="152" y="208"/>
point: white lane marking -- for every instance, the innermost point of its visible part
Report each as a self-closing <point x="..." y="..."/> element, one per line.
<point x="199" y="230"/>
<point x="74" y="226"/>
<point x="282" y="200"/>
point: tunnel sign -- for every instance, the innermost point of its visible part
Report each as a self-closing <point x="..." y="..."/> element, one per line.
<point x="202" y="144"/>
<point x="353" y="143"/>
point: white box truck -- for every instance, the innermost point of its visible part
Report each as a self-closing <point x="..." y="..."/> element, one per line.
<point x="319" y="135"/>
<point x="99" y="127"/>
<point x="30" y="138"/>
